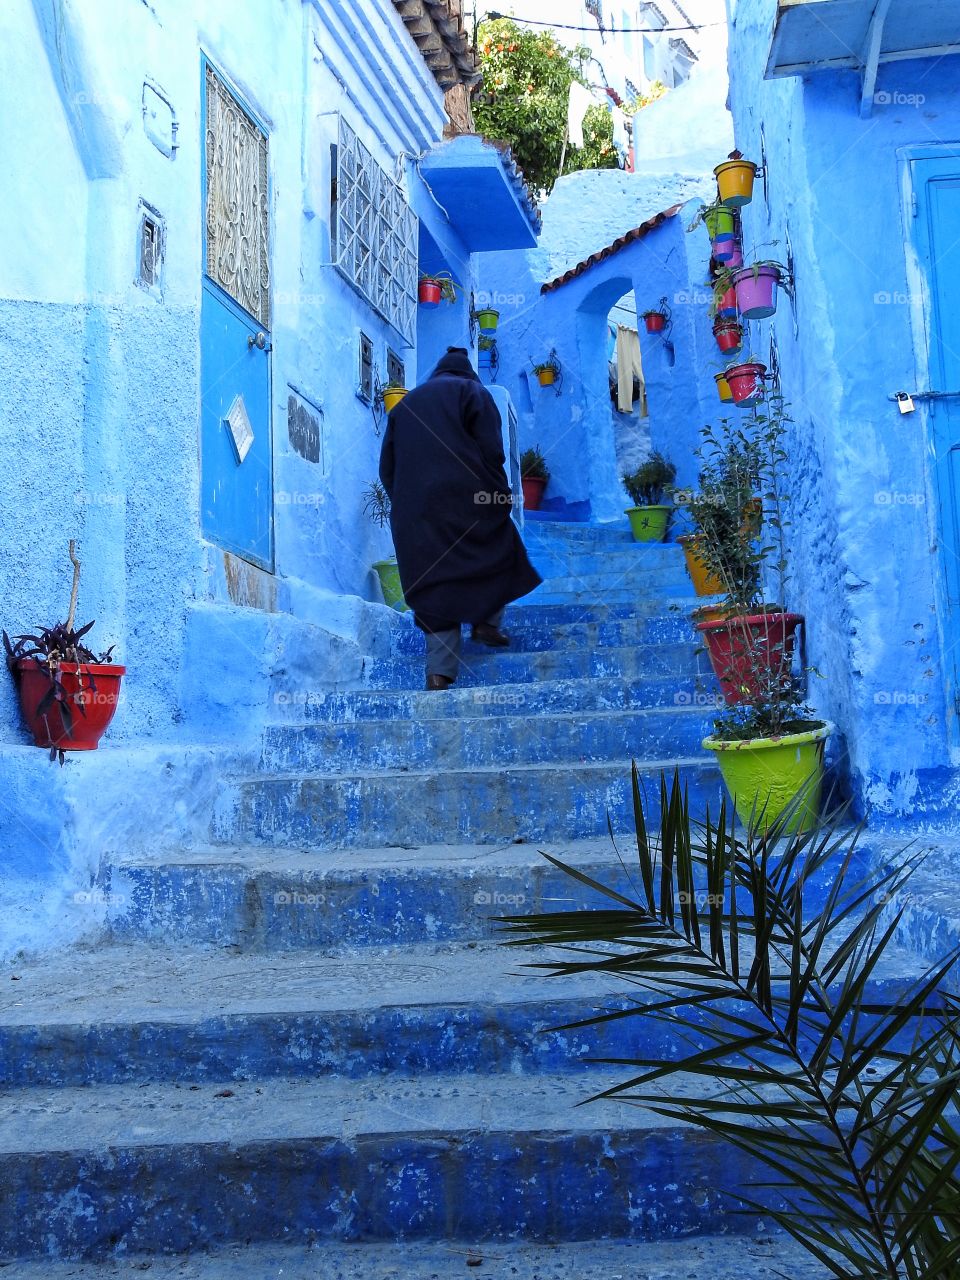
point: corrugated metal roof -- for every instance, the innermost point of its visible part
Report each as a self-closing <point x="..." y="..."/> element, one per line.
<point x="620" y="243"/>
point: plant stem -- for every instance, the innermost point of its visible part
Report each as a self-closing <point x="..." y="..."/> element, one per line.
<point x="76" y="585"/>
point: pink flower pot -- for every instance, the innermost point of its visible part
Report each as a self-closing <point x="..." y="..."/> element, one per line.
<point x="724" y="246"/>
<point x="756" y="291"/>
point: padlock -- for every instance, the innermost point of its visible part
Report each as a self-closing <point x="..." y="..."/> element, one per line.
<point x="905" y="402"/>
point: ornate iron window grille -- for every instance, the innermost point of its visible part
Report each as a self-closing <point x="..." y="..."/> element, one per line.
<point x="376" y="235"/>
<point x="238" y="211"/>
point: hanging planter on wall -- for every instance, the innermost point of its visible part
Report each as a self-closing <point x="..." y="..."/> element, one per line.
<point x="488" y="320"/>
<point x="723" y="387"/>
<point x="656" y="318"/>
<point x="756" y="289"/>
<point x="433" y="288"/>
<point x="724" y="246"/>
<point x="393" y="393"/>
<point x="729" y="335"/>
<point x="745" y="382"/>
<point x="735" y="181"/>
<point x="549" y="372"/>
<point x="719" y="220"/>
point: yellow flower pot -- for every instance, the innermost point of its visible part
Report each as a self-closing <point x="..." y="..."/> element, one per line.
<point x="723" y="387"/>
<point x="735" y="182"/>
<point x="766" y="775"/>
<point x="704" y="583"/>
<point x="546" y="377"/>
<point x="392" y="397"/>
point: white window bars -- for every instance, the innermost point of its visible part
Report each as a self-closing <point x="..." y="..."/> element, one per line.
<point x="375" y="237"/>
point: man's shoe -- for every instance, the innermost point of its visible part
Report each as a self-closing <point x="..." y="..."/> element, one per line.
<point x="439" y="682"/>
<point x="483" y="633"/>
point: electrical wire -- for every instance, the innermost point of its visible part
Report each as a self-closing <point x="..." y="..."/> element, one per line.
<point x="612" y="31"/>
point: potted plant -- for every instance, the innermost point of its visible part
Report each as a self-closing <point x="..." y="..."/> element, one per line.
<point x="547" y="371"/>
<point x="729" y="335"/>
<point x="488" y="319"/>
<point x="745" y="380"/>
<point x="393" y="393"/>
<point x="735" y="178"/>
<point x="724" y="302"/>
<point x="436" y="286"/>
<point x="376" y="505"/>
<point x="760" y="972"/>
<point x="485" y="348"/>
<point x="768" y="743"/>
<point x="649" y="515"/>
<point x="655" y="320"/>
<point x="756" y="288"/>
<point x="717" y="218"/>
<point x="534" y="475"/>
<point x="68" y="694"/>
<point x="723" y="387"/>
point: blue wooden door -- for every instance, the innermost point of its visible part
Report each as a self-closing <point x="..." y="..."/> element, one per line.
<point x="236" y="448"/>
<point x="936" y="186"/>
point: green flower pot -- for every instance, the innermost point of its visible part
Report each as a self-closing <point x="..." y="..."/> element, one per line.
<point x="649" y="524"/>
<point x="767" y="774"/>
<point x="389" y="576"/>
<point x="719" y="223"/>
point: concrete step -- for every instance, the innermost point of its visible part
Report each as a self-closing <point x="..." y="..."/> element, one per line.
<point x="611" y="585"/>
<point x="137" y="1013"/>
<point x="648" y="563"/>
<point x="483" y="805"/>
<point x="532" y="698"/>
<point x="508" y="739"/>
<point x="265" y="899"/>
<point x="535" y="635"/>
<point x="548" y="615"/>
<point x="169" y="1168"/>
<point x="763" y="1255"/>
<point x="562" y="532"/>
<point x="499" y="667"/>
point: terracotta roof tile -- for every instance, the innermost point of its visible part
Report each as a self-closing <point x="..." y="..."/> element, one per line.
<point x="620" y="243"/>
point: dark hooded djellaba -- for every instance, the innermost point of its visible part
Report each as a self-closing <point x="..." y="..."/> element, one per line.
<point x="460" y="556"/>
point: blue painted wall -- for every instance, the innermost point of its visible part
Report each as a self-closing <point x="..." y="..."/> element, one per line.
<point x="100" y="383"/>
<point x="863" y="552"/>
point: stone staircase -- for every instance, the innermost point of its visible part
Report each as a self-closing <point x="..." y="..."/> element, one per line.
<point x="302" y="1045"/>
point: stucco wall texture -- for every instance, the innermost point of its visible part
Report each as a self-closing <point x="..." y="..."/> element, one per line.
<point x="101" y="383"/>
<point x="864" y="518"/>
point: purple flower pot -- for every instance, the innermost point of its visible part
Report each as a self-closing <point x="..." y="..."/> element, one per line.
<point x="724" y="246"/>
<point x="736" y="258"/>
<point x="756" y="291"/>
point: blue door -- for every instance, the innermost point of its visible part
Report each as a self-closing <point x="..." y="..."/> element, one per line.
<point x="236" y="448"/>
<point x="936" y="185"/>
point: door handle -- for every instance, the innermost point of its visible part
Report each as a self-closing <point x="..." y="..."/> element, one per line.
<point x="258" y="340"/>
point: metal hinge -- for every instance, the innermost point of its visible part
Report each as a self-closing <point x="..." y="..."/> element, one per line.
<point x="915" y="204"/>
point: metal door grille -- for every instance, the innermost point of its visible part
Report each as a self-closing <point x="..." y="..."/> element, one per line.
<point x="375" y="237"/>
<point x="237" y="212"/>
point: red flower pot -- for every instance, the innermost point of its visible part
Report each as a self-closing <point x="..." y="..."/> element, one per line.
<point x="655" y="321"/>
<point x="751" y="655"/>
<point x="727" y="304"/>
<point x="429" y="293"/>
<point x="729" y="336"/>
<point x="93" y="690"/>
<point x="746" y="382"/>
<point x="533" y="487"/>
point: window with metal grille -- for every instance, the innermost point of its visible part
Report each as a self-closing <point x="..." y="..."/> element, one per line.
<point x="149" y="247"/>
<point x="374" y="241"/>
<point x="395" y="370"/>
<point x="365" y="380"/>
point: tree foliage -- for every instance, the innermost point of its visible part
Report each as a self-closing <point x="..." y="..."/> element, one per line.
<point x="526" y="87"/>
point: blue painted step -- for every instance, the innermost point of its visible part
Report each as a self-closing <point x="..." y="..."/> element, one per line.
<point x="138" y="1014"/>
<point x="483" y="805"/>
<point x="509" y="739"/>
<point x="506" y="667"/>
<point x="534" y="635"/>
<point x="166" y="1169"/>
<point x="531" y="698"/>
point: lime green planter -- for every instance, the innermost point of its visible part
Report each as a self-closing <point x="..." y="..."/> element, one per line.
<point x="764" y="775"/>
<point x="719" y="222"/>
<point x="389" y="576"/>
<point x="649" y="524"/>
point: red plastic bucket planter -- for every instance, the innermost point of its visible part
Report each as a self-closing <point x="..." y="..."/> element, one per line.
<point x="756" y="289"/>
<point x="729" y="336"/>
<point x="93" y="690"/>
<point x="746" y="382"/>
<point x="655" y="321"/>
<point x="533" y="487"/>
<point x="727" y="304"/>
<point x="751" y="654"/>
<point x="429" y="293"/>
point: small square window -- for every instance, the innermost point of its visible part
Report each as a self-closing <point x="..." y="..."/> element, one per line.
<point x="365" y="376"/>
<point x="150" y="244"/>
<point x="396" y="373"/>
